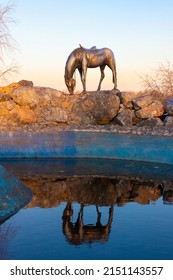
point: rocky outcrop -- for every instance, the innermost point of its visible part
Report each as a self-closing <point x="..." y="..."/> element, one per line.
<point x="23" y="103"/>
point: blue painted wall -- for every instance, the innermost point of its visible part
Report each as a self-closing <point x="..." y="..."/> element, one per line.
<point x="86" y="144"/>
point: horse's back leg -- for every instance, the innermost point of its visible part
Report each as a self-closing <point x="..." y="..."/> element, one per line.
<point x="111" y="64"/>
<point x="102" y="76"/>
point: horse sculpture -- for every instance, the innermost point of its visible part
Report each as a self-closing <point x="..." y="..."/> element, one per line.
<point x="82" y="58"/>
<point x="78" y="233"/>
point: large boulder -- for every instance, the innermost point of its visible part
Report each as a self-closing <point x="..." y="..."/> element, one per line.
<point x="142" y="101"/>
<point x="95" y="108"/>
<point x="155" y="109"/>
<point x="35" y="96"/>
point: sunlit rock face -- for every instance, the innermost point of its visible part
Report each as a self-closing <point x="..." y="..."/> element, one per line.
<point x="155" y="109"/>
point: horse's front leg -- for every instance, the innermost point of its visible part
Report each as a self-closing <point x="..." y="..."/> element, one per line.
<point x="102" y="76"/>
<point x="81" y="74"/>
<point x="84" y="72"/>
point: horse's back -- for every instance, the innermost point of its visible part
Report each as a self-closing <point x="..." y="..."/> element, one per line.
<point x="102" y="52"/>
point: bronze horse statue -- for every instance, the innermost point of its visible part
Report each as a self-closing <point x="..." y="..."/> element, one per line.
<point x="82" y="58"/>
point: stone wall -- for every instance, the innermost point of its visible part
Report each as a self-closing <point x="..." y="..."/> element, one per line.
<point x="22" y="103"/>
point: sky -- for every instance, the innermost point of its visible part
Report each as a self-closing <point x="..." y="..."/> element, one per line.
<point x="140" y="33"/>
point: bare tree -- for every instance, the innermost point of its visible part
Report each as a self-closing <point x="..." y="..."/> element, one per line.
<point x="161" y="81"/>
<point x="7" y="43"/>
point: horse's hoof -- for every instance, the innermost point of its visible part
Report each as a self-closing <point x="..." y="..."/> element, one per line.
<point x="115" y="90"/>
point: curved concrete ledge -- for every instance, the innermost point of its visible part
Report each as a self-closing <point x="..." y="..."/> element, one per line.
<point x="14" y="195"/>
<point x="87" y="144"/>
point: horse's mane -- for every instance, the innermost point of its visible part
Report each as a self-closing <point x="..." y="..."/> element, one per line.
<point x="78" y="53"/>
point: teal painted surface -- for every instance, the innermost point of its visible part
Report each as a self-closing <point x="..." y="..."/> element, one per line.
<point x="14" y="195"/>
<point x="86" y="144"/>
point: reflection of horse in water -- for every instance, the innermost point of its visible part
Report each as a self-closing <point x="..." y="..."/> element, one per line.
<point x="82" y="58"/>
<point x="78" y="233"/>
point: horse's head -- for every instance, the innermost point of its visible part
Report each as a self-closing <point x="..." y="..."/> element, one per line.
<point x="70" y="83"/>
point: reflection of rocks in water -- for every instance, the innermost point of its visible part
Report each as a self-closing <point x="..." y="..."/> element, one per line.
<point x="145" y="192"/>
<point x="168" y="193"/>
<point x="50" y="192"/>
<point x="168" y="197"/>
<point x="47" y="193"/>
<point x="77" y="232"/>
<point x="96" y="191"/>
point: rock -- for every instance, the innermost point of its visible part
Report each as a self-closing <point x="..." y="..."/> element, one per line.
<point x="3" y="110"/>
<point x="126" y="98"/>
<point x="33" y="96"/>
<point x="135" y="120"/>
<point x="26" y="115"/>
<point x="124" y="118"/>
<point x="122" y="107"/>
<point x="168" y="121"/>
<point x="4" y="97"/>
<point x="10" y="105"/>
<point x="24" y="97"/>
<point x="169" y="106"/>
<point x="155" y="109"/>
<point x="25" y="83"/>
<point x="55" y="114"/>
<point x="142" y="101"/>
<point x="150" y="122"/>
<point x="8" y="89"/>
<point x="95" y="108"/>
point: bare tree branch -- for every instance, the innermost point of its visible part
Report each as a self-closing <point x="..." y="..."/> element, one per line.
<point x="161" y="81"/>
<point x="7" y="43"/>
<point x="12" y="68"/>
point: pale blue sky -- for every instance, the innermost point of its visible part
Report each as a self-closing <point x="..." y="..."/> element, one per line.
<point x="140" y="33"/>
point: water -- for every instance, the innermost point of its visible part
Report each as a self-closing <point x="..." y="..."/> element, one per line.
<point x="90" y="215"/>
